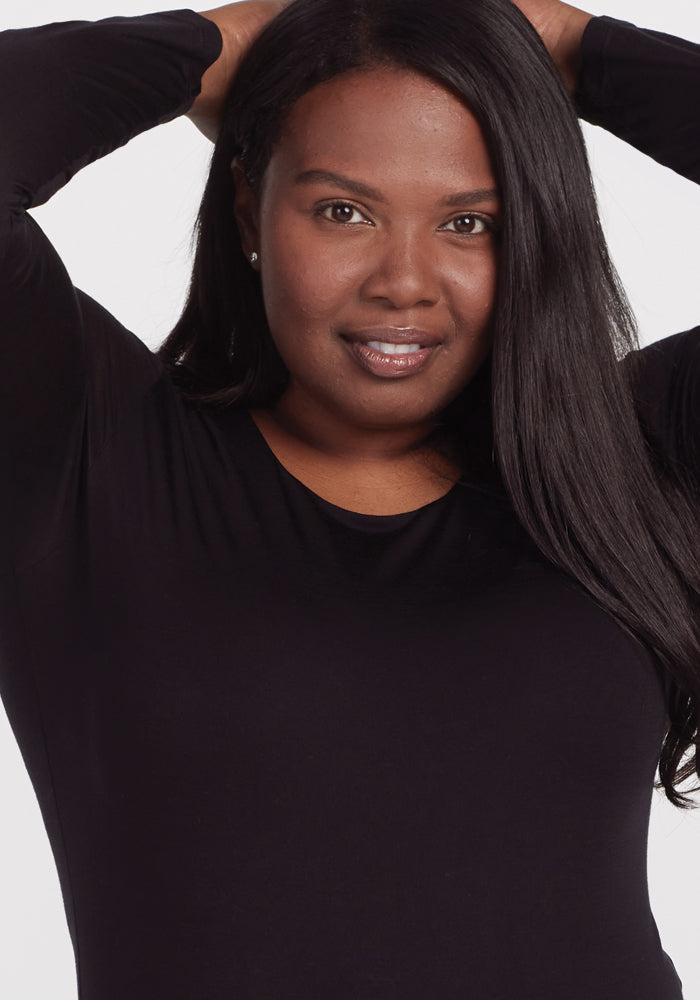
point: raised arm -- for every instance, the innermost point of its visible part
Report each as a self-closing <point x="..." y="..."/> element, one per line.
<point x="639" y="84"/>
<point x="644" y="87"/>
<point x="71" y="93"/>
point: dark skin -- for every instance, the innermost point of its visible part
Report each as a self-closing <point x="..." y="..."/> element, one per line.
<point x="402" y="237"/>
<point x="417" y="253"/>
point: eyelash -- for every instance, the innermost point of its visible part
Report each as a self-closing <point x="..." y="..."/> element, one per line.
<point x="488" y="223"/>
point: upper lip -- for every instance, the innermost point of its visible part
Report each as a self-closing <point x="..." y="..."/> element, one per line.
<point x="393" y="335"/>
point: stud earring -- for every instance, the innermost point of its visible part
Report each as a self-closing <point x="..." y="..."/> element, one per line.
<point x="253" y="257"/>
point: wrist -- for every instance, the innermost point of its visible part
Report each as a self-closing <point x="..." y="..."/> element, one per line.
<point x="566" y="48"/>
<point x="206" y="107"/>
<point x="239" y="25"/>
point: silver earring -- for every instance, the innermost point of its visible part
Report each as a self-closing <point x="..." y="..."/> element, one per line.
<point x="253" y="257"/>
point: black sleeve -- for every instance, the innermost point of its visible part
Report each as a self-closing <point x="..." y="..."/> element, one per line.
<point x="69" y="94"/>
<point x="644" y="87"/>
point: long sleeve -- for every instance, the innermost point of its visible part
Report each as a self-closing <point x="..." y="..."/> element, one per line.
<point x="71" y="93"/>
<point x="644" y="87"/>
<point x="279" y="746"/>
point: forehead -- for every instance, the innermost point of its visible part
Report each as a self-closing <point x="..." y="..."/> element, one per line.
<point x="388" y="122"/>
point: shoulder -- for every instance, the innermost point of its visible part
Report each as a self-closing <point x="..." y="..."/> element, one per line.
<point x="664" y="366"/>
<point x="665" y="378"/>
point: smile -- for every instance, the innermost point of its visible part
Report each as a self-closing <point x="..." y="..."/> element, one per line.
<point x="385" y="348"/>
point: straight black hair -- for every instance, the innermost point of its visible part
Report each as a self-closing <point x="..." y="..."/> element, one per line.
<point x="580" y="469"/>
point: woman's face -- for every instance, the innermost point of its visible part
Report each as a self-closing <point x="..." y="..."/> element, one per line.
<point x="376" y="229"/>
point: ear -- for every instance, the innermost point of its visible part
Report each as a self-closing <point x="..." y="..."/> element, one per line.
<point x="246" y="209"/>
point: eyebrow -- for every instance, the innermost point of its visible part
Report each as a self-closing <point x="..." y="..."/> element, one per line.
<point x="365" y="191"/>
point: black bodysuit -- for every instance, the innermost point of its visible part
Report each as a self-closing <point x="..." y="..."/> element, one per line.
<point x="284" y="751"/>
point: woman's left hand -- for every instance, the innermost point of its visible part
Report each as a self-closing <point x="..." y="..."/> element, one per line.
<point x="560" y="26"/>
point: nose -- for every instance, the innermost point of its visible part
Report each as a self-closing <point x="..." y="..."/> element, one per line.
<point x="403" y="271"/>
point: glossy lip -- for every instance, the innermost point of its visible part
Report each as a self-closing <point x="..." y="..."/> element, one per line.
<point x="391" y="365"/>
<point x="393" y="335"/>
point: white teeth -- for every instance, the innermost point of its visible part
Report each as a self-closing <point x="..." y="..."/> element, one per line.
<point x="377" y="345"/>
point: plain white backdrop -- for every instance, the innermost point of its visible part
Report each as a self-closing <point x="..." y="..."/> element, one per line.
<point x="123" y="227"/>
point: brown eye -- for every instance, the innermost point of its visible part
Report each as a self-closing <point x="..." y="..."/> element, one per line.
<point x="468" y="225"/>
<point x="343" y="212"/>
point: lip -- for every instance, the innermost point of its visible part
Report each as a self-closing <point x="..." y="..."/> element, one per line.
<point x="393" y="335"/>
<point x="391" y="365"/>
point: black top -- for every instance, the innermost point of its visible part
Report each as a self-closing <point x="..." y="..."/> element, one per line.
<point x="284" y="751"/>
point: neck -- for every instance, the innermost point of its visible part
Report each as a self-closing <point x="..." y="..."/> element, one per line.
<point x="331" y="436"/>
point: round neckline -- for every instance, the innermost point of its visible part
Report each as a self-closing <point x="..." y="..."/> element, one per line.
<point x="344" y="513"/>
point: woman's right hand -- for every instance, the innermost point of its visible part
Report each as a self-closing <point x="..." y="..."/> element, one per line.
<point x="239" y="24"/>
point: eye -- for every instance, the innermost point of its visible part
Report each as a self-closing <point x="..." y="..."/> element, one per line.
<point x="341" y="211"/>
<point x="469" y="224"/>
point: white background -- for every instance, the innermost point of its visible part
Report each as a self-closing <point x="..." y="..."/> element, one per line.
<point x="123" y="228"/>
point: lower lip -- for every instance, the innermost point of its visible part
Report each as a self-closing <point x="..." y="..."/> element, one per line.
<point x="389" y="365"/>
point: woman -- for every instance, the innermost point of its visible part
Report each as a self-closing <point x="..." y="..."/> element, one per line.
<point x="393" y="539"/>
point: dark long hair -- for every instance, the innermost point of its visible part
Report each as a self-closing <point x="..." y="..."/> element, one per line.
<point x="583" y="478"/>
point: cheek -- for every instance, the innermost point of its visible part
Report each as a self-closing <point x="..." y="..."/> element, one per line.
<point x="304" y="288"/>
<point x="473" y="294"/>
<point x="305" y="278"/>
